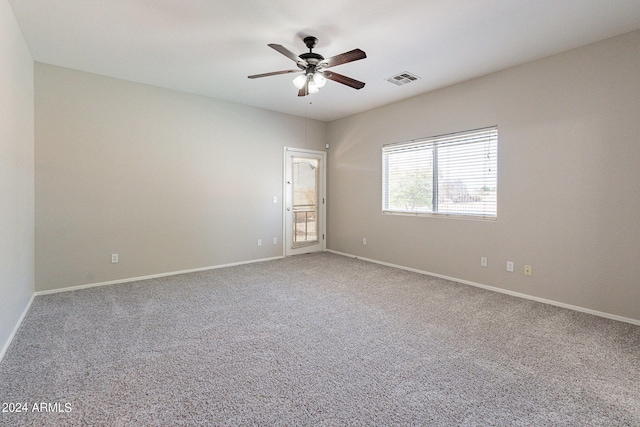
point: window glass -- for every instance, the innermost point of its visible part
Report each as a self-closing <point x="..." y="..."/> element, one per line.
<point x="454" y="174"/>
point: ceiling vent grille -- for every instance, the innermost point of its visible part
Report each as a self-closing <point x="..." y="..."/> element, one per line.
<point x="402" y="78"/>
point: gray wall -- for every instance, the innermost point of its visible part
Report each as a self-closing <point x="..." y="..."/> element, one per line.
<point x="569" y="174"/>
<point x="16" y="175"/>
<point x="167" y="180"/>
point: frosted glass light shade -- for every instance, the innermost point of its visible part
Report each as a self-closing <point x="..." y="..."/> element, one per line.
<point x="300" y="81"/>
<point x="313" y="88"/>
<point x="319" y="80"/>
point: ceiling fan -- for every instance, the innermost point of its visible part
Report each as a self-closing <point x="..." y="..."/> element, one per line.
<point x="314" y="65"/>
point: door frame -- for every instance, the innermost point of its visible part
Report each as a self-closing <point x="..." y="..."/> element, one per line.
<point x="287" y="196"/>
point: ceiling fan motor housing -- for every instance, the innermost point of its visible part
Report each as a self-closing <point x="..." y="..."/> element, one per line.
<point x="312" y="58"/>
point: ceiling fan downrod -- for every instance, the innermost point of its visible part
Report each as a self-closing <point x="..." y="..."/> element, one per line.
<point x="311" y="57"/>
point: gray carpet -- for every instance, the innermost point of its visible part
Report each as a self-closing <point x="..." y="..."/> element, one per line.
<point x="318" y="340"/>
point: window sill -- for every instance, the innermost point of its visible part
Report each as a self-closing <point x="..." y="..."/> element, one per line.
<point x="444" y="215"/>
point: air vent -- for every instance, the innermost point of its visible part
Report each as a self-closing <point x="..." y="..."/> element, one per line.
<point x="403" y="78"/>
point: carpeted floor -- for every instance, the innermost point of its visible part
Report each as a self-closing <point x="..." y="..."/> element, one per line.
<point x="319" y="340"/>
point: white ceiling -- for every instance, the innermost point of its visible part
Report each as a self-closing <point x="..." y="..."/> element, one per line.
<point x="209" y="47"/>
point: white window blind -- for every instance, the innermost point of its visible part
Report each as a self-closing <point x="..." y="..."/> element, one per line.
<point x="454" y="174"/>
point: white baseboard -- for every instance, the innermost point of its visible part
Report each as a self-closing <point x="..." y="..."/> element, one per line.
<point x="152" y="276"/>
<point x="493" y="288"/>
<point x="15" y="329"/>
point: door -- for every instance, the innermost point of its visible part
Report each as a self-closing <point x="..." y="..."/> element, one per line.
<point x="304" y="207"/>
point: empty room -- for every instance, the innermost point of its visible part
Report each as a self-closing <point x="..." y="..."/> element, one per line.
<point x="300" y="213"/>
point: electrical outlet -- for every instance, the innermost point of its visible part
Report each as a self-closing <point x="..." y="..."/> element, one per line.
<point x="275" y="240"/>
<point x="259" y="242"/>
<point x="510" y="266"/>
<point x="114" y="258"/>
<point x="527" y="270"/>
<point x="364" y="241"/>
<point x="483" y="261"/>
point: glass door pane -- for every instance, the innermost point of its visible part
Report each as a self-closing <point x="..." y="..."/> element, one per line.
<point x="305" y="201"/>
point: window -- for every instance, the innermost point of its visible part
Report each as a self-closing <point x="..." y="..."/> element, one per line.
<point x="454" y="174"/>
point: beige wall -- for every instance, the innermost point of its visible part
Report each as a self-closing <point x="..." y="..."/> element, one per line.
<point x="167" y="180"/>
<point x="569" y="174"/>
<point x="16" y="175"/>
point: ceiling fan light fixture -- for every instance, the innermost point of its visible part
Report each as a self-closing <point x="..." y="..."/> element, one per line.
<point x="300" y="81"/>
<point x="319" y="80"/>
<point x="312" y="64"/>
<point x="313" y="87"/>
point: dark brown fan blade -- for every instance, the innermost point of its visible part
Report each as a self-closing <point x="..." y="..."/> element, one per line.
<point x="286" y="52"/>
<point x="343" y="79"/>
<point x="343" y="58"/>
<point x="304" y="91"/>
<point x="274" y="73"/>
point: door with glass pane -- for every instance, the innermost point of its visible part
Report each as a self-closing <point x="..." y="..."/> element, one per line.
<point x="304" y="214"/>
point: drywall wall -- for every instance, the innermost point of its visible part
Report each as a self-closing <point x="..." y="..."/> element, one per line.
<point x="569" y="168"/>
<point x="167" y="180"/>
<point x="16" y="176"/>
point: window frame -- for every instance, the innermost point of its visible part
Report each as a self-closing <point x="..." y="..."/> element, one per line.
<point x="433" y="144"/>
